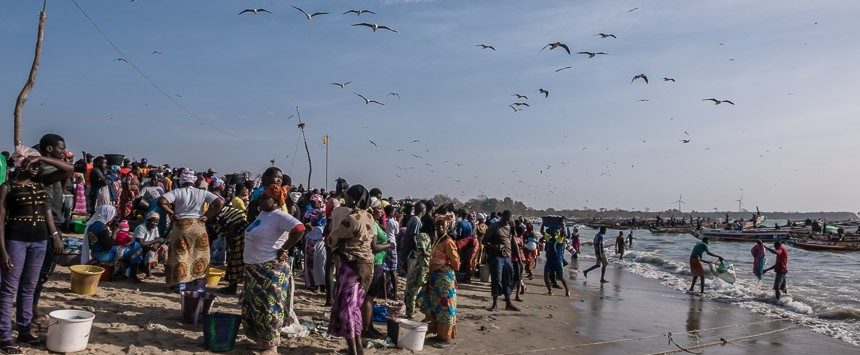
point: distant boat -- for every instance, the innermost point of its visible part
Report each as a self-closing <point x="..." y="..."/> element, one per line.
<point x="824" y="245"/>
<point x="745" y="235"/>
<point x="672" y="230"/>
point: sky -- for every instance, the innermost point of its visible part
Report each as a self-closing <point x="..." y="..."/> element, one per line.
<point x="788" y="143"/>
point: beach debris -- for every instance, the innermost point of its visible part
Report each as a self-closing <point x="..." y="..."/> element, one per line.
<point x="342" y="85"/>
<point x="254" y="11"/>
<point x="592" y="54"/>
<point x="359" y="12"/>
<point x="605" y="35"/>
<point x="550" y="316"/>
<point x="545" y="92"/>
<point x="368" y="101"/>
<point x="379" y="344"/>
<point x="375" y="27"/>
<point x="717" y="102"/>
<point x="486" y="46"/>
<point x="640" y="76"/>
<point x="309" y="16"/>
<point x="156" y="326"/>
<point x="555" y="45"/>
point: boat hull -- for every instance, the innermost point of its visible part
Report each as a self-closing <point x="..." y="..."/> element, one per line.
<point x="746" y="235"/>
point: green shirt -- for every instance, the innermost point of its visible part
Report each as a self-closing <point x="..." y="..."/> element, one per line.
<point x="698" y="250"/>
<point x="422" y="262"/>
<point x="2" y="169"/>
<point x="381" y="238"/>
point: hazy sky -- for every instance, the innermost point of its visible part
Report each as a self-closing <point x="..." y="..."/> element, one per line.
<point x="790" y="67"/>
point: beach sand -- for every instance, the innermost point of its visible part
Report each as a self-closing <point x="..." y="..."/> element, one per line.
<point x="144" y="319"/>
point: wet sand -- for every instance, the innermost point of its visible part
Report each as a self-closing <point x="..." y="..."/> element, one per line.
<point x="143" y="319"/>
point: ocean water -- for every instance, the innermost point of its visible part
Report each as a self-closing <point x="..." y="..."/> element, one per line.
<point x="823" y="287"/>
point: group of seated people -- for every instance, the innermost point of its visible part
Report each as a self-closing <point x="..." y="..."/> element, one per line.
<point x="109" y="243"/>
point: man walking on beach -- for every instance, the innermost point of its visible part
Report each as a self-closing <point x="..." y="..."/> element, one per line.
<point x="780" y="266"/>
<point x="500" y="245"/>
<point x="696" y="261"/>
<point x="599" y="255"/>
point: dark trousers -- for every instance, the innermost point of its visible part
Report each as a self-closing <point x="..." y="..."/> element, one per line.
<point x="501" y="275"/>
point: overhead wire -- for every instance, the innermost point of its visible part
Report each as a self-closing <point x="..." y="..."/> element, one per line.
<point x="162" y="91"/>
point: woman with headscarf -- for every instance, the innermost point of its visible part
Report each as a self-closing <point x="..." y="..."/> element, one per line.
<point x="100" y="247"/>
<point x="150" y="241"/>
<point x="351" y="237"/>
<point x="438" y="298"/>
<point x="265" y="299"/>
<point x="230" y="223"/>
<point x="188" y="245"/>
<point x="28" y="225"/>
<point x="315" y="255"/>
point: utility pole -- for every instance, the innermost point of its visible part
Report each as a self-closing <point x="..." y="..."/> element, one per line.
<point x="307" y="150"/>
<point x="325" y="140"/>
<point x="31" y="79"/>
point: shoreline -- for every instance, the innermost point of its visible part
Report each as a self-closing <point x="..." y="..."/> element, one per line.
<point x="630" y="314"/>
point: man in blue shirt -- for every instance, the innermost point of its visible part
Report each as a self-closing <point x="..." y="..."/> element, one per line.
<point x="599" y="255"/>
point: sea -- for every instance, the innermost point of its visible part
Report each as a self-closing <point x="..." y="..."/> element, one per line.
<point x="823" y="287"/>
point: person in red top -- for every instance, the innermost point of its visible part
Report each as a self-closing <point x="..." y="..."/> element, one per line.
<point x="780" y="267"/>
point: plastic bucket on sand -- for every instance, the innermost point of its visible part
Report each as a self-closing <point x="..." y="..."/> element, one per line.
<point x="69" y="330"/>
<point x="196" y="304"/>
<point x="213" y="277"/>
<point x="411" y="335"/>
<point x="485" y="273"/>
<point x="85" y="279"/>
<point x="220" y="331"/>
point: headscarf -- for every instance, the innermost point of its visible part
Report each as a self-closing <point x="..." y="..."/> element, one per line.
<point x="216" y="183"/>
<point x="317" y="197"/>
<point x="104" y="214"/>
<point x="275" y="192"/>
<point x="374" y="202"/>
<point x="359" y="194"/>
<point x="21" y="153"/>
<point x="152" y="215"/>
<point x="187" y="176"/>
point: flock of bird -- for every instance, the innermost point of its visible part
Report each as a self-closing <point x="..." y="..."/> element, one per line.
<point x="311" y="15"/>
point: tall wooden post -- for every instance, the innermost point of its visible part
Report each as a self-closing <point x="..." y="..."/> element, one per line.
<point x="31" y="79"/>
<point x="307" y="150"/>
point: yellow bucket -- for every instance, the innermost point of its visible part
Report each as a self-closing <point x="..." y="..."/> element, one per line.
<point x="213" y="277"/>
<point x="85" y="279"/>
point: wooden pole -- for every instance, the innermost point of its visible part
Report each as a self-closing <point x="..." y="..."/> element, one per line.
<point x="307" y="150"/>
<point x="31" y="78"/>
<point x="326" y="140"/>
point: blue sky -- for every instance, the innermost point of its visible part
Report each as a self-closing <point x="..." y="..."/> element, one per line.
<point x="787" y="144"/>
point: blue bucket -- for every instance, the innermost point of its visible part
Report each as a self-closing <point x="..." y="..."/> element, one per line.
<point x="220" y="331"/>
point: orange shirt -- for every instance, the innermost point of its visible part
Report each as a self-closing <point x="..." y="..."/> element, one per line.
<point x="87" y="174"/>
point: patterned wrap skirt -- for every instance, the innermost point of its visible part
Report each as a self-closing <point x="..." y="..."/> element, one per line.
<point x="348" y="296"/>
<point x="188" y="252"/>
<point x="438" y="300"/>
<point x="265" y="300"/>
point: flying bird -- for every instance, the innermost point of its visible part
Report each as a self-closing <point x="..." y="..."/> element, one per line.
<point x="669" y="79"/>
<point x="486" y="46"/>
<point x="415" y="141"/>
<point x="633" y="9"/>
<point x="514" y="108"/>
<point x="394" y="94"/>
<point x="374" y="26"/>
<point x="157" y="52"/>
<point x="359" y="12"/>
<point x="592" y="54"/>
<point x="605" y="35"/>
<point x="640" y="76"/>
<point x="342" y="85"/>
<point x="310" y="16"/>
<point x="254" y="11"/>
<point x="374" y="144"/>
<point x="416" y="156"/>
<point x="685" y="141"/>
<point x="717" y="102"/>
<point x="555" y="45"/>
<point x="644" y="100"/>
<point x="368" y="101"/>
<point x="521" y="104"/>
<point x="545" y="92"/>
<point x="562" y="69"/>
<point x="519" y="97"/>
<point x="178" y="95"/>
<point x="120" y="60"/>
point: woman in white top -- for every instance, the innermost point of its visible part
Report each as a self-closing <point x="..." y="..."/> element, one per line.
<point x="188" y="245"/>
<point x="267" y="240"/>
<point x="150" y="239"/>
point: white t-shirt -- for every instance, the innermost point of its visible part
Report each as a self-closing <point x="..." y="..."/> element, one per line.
<point x="188" y="201"/>
<point x="145" y="235"/>
<point x="266" y="235"/>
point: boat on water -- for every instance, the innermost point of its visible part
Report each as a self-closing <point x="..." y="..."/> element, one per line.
<point x="743" y="235"/>
<point x="826" y="245"/>
<point x="672" y="230"/>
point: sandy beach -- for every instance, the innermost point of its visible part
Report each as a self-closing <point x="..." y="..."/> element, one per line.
<point x="628" y="315"/>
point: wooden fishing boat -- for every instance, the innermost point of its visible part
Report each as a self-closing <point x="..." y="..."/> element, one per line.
<point x="745" y="235"/>
<point x="825" y="245"/>
<point x="672" y="230"/>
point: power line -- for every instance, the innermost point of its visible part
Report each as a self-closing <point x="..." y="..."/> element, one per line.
<point x="164" y="93"/>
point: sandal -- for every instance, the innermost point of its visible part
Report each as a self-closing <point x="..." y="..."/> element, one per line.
<point x="10" y="347"/>
<point x="29" y="339"/>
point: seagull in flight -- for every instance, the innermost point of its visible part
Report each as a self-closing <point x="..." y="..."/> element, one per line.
<point x="310" y="16"/>
<point x="342" y="85"/>
<point x="416" y="156"/>
<point x="521" y="104"/>
<point x="633" y="9"/>
<point x="254" y="11"/>
<point x="359" y="12"/>
<point x="669" y="79"/>
<point x="120" y="60"/>
<point x="545" y="92"/>
<point x="644" y="100"/>
<point x="486" y="46"/>
<point x="519" y="97"/>
<point x="368" y="101"/>
<point x="592" y="54"/>
<point x="640" y="76"/>
<point x="717" y="102"/>
<point x="415" y="141"/>
<point x="514" y="108"/>
<point x="605" y="35"/>
<point x="394" y="94"/>
<point x="685" y="141"/>
<point x="374" y="26"/>
<point x="555" y="45"/>
<point x="562" y="69"/>
<point x="157" y="52"/>
<point x="373" y="143"/>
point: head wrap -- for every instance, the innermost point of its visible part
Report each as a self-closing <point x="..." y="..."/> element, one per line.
<point x="21" y="153"/>
<point x="123" y="225"/>
<point x="276" y="193"/>
<point x="295" y="196"/>
<point x="216" y="183"/>
<point x="187" y="176"/>
<point x="104" y="214"/>
<point x="152" y="215"/>
<point x="374" y="202"/>
<point x="359" y="195"/>
<point x="317" y="197"/>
